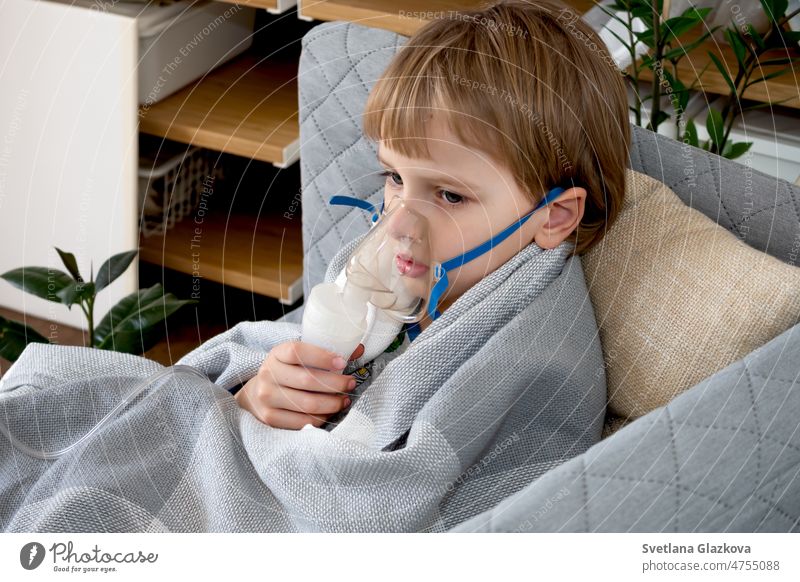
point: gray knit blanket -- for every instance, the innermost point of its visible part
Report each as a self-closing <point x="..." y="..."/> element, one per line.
<point x="505" y="385"/>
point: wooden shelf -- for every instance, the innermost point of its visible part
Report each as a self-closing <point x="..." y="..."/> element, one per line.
<point x="401" y="17"/>
<point x="271" y="6"/>
<point x="712" y="81"/>
<point x="247" y="107"/>
<point x="260" y="254"/>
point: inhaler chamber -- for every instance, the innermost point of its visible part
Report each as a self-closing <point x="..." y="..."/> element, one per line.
<point x="392" y="265"/>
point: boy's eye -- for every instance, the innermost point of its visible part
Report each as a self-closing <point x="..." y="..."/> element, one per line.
<point x="452" y="198"/>
<point x="395" y="177"/>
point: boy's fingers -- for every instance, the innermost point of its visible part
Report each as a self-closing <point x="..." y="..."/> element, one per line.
<point x="280" y="418"/>
<point x="358" y="353"/>
<point x="300" y="378"/>
<point x="309" y="355"/>
<point x="306" y="402"/>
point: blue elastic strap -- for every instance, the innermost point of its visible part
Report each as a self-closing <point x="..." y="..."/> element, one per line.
<point x="357" y="202"/>
<point x="412" y="329"/>
<point x="440" y="271"/>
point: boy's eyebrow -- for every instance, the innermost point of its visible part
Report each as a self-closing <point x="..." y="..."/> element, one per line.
<point x="443" y="180"/>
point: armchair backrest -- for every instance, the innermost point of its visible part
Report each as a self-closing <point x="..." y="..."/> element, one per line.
<point x="762" y="210"/>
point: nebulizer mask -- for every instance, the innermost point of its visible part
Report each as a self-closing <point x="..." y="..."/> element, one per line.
<point x="392" y="270"/>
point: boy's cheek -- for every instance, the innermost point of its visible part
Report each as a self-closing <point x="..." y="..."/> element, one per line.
<point x="465" y="277"/>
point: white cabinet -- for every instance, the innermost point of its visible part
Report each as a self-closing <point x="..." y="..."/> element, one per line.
<point x="68" y="145"/>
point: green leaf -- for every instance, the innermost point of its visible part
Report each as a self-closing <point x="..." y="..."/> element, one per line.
<point x="40" y="281"/>
<point x="767" y="104"/>
<point x="130" y="326"/>
<point x="113" y="268"/>
<point x="775" y="9"/>
<point x="737" y="44"/>
<point x="683" y="100"/>
<point x="673" y="81"/>
<point x="680" y="95"/>
<point x="661" y="117"/>
<point x="691" y="133"/>
<point x="70" y="263"/>
<point x="778" y="61"/>
<point x="699" y="75"/>
<point x="646" y="37"/>
<point x="724" y="73"/>
<point x="755" y="36"/>
<point x="678" y="25"/>
<point x="14" y="337"/>
<point x="770" y="76"/>
<point x="645" y="13"/>
<point x="734" y="150"/>
<point x="683" y="49"/>
<point x="714" y="125"/>
<point x="676" y="53"/>
<point x="76" y="292"/>
<point x="109" y="333"/>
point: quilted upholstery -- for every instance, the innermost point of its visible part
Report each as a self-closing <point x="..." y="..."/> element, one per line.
<point x="338" y="65"/>
<point x="653" y="474"/>
<point x="724" y="456"/>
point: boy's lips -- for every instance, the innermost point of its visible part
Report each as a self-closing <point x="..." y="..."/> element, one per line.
<point x="408" y="267"/>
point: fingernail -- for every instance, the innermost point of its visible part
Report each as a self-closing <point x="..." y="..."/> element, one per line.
<point x="339" y="362"/>
<point x="351" y="384"/>
<point x="346" y="402"/>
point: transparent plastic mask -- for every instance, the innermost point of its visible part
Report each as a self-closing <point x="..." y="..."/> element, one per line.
<point x="392" y="267"/>
<point x="393" y="263"/>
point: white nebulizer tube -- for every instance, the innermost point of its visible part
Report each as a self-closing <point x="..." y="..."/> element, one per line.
<point x="171" y="371"/>
<point x="335" y="319"/>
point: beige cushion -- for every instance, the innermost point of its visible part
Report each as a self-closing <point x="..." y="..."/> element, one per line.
<point x="677" y="297"/>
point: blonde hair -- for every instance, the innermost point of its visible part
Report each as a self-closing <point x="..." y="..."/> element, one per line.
<point x="531" y="85"/>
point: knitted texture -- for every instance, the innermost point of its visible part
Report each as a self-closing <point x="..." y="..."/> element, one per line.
<point x="504" y="386"/>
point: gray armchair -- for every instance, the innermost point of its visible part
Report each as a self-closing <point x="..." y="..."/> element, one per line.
<point x="722" y="456"/>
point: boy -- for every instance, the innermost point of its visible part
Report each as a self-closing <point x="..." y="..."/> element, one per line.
<point x="476" y="118"/>
<point x="499" y="389"/>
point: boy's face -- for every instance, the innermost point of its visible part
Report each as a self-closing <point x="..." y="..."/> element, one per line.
<point x="466" y="198"/>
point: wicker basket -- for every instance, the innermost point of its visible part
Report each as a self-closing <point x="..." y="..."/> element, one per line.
<point x="170" y="190"/>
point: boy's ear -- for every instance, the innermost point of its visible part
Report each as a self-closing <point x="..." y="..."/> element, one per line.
<point x="561" y="218"/>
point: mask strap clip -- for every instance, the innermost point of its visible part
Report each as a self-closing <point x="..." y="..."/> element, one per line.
<point x="440" y="275"/>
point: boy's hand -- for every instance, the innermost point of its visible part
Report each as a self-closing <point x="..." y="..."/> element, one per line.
<point x="298" y="383"/>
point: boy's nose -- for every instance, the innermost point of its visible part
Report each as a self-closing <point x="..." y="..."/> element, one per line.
<point x="406" y="224"/>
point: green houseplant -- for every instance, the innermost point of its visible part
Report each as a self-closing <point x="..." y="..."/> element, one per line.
<point x="753" y="52"/>
<point x="131" y="326"/>
<point x="665" y="50"/>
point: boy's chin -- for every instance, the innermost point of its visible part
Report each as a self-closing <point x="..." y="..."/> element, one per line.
<point x="416" y="287"/>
